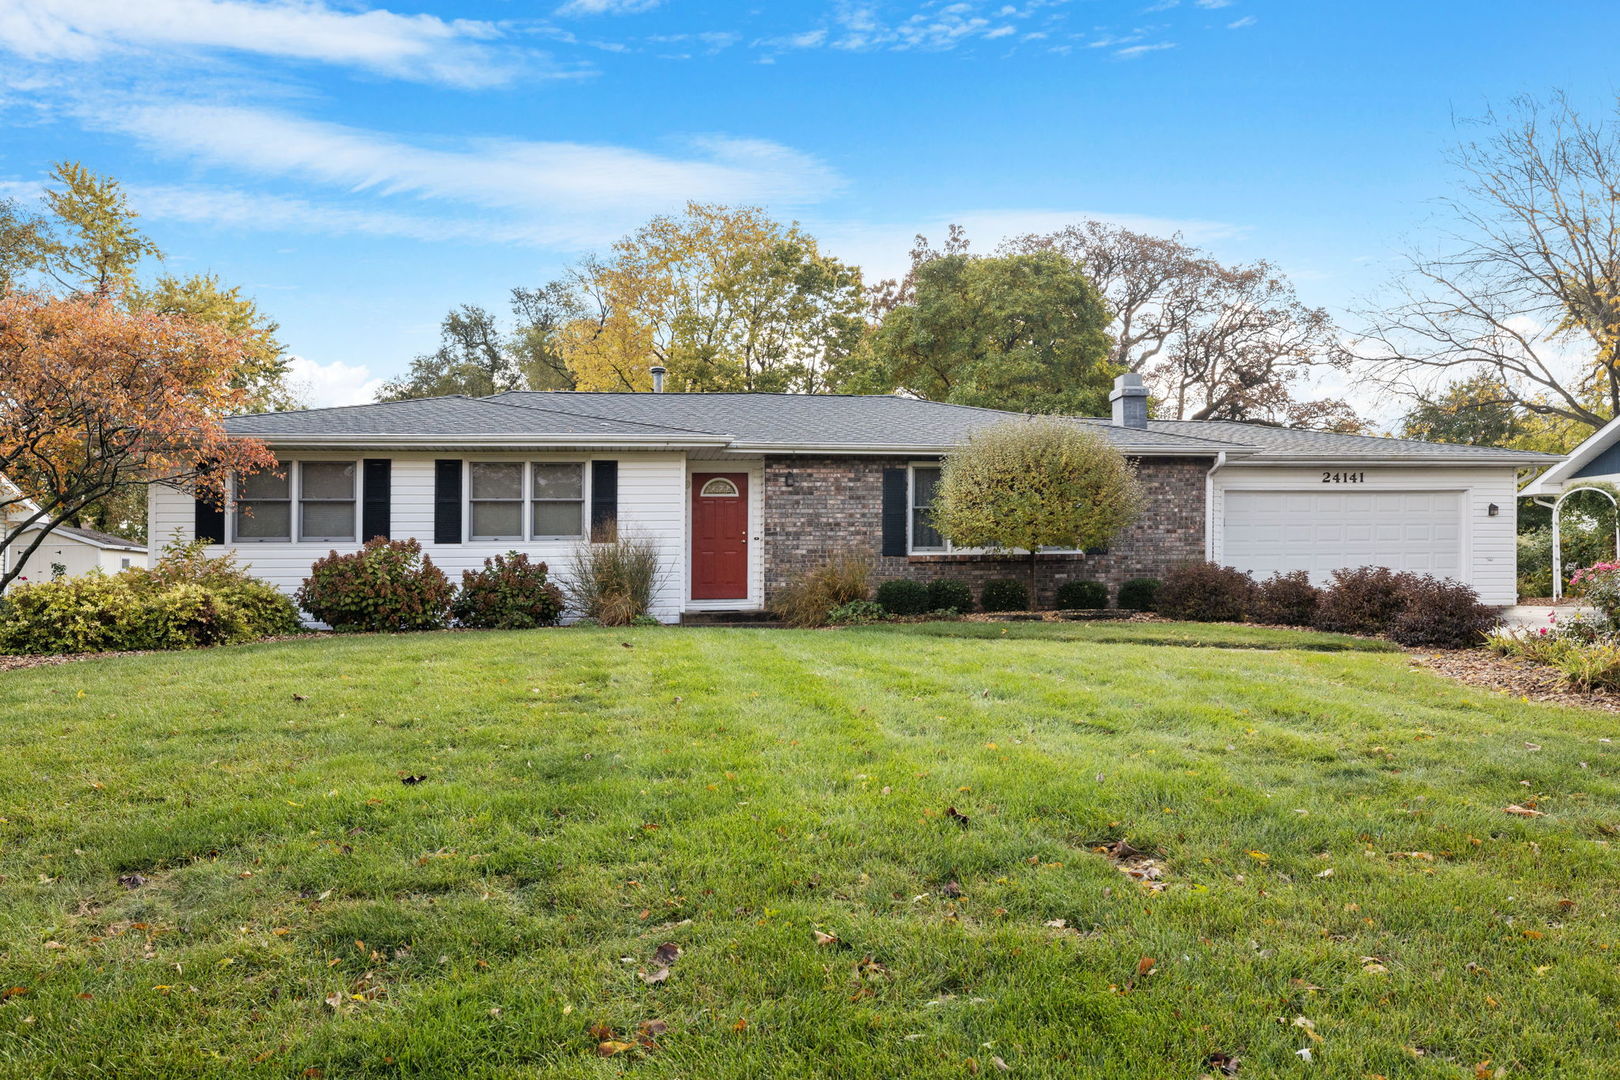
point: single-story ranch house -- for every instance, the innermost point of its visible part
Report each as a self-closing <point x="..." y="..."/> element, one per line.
<point x="740" y="491"/>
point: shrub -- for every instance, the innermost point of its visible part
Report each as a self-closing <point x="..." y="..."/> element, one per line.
<point x="1004" y="594"/>
<point x="810" y="596"/>
<point x="615" y="581"/>
<point x="1205" y="592"/>
<point x="1441" y="614"/>
<point x="1140" y="594"/>
<point x="1362" y="601"/>
<point x="386" y="585"/>
<point x="857" y="613"/>
<point x="1082" y="594"/>
<point x="903" y="597"/>
<point x="947" y="594"/>
<point x="267" y="610"/>
<point x="1285" y="600"/>
<point x="509" y="593"/>
<point x="1586" y="654"/>
<point x="97" y="613"/>
<point x="1599" y="584"/>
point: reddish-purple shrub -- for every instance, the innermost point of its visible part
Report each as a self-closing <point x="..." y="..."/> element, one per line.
<point x="1205" y="592"/>
<point x="1365" y="600"/>
<point x="386" y="585"/>
<point x="1441" y="614"/>
<point x="1285" y="600"/>
<point x="509" y="593"/>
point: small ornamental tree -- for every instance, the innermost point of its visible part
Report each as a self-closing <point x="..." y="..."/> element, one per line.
<point x="1032" y="484"/>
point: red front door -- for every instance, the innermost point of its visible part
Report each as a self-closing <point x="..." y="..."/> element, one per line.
<point x="719" y="536"/>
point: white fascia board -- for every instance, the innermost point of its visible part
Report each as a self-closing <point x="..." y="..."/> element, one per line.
<point x="1552" y="481"/>
<point x="913" y="448"/>
<point x="1450" y="462"/>
<point x="473" y="442"/>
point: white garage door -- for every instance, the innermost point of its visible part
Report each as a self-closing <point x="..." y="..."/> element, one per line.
<point x="1322" y="531"/>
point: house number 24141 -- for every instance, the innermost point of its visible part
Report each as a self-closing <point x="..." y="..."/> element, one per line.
<point x="1331" y="477"/>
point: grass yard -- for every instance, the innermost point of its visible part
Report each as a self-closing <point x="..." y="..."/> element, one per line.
<point x="1339" y="874"/>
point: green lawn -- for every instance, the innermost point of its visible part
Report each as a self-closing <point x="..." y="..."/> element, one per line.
<point x="1329" y="823"/>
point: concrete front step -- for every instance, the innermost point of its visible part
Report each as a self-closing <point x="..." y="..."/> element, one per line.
<point x="1539" y="615"/>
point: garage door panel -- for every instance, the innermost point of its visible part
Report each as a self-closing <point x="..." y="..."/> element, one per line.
<point x="1267" y="532"/>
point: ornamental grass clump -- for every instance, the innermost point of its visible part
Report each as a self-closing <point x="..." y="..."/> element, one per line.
<point x="811" y="595"/>
<point x="614" y="582"/>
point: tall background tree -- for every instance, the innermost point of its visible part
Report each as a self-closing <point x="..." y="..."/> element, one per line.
<point x="1019" y="331"/>
<point x="1212" y="342"/>
<point x="1524" y="290"/>
<point x="478" y="355"/>
<point x="85" y="241"/>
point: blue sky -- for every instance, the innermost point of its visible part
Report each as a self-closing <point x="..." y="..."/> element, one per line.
<point x="362" y="166"/>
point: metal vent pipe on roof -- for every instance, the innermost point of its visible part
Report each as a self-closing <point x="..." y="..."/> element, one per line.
<point x="658" y="377"/>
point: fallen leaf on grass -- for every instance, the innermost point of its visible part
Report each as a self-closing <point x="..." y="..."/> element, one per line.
<point x="611" y="1047"/>
<point x="826" y="939"/>
<point x="957" y="816"/>
<point x="1522" y="811"/>
<point x="412" y="779"/>
<point x="1225" y="1064"/>
<point x="1308" y="1027"/>
<point x="1001" y="1066"/>
<point x="664" y="958"/>
<point x="131" y="881"/>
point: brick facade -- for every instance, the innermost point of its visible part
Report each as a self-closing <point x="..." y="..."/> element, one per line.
<point x="816" y="503"/>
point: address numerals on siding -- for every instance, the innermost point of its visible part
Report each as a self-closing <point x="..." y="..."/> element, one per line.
<point x="1331" y="477"/>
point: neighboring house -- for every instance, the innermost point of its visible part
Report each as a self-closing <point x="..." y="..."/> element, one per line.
<point x="74" y="551"/>
<point x="1595" y="461"/>
<point x="741" y="491"/>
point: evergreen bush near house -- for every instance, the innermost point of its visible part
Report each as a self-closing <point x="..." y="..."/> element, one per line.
<point x="387" y="585"/>
<point x="1004" y="594"/>
<point x="1365" y="600"/>
<point x="615" y="581"/>
<point x="1441" y="614"/>
<point x="509" y="593"/>
<point x="268" y="610"/>
<point x="1140" y="594"/>
<point x="948" y="594"/>
<point x="812" y="594"/>
<point x="903" y="597"/>
<point x="1082" y="594"/>
<point x="1206" y="592"/>
<point x="1285" y="600"/>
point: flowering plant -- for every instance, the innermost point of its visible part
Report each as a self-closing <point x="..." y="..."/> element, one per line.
<point x="1600" y="585"/>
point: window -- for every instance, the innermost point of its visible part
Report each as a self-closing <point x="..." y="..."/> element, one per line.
<point x="326" y="500"/>
<point x="559" y="498"/>
<point x="924" y="482"/>
<point x="496" y="495"/>
<point x="719" y="488"/>
<point x="123" y="564"/>
<point x="264" y="507"/>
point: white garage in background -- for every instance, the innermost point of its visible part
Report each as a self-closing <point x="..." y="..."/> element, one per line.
<point x="1316" y="502"/>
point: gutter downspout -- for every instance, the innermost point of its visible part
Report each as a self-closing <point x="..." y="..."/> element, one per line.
<point x="1209" y="505"/>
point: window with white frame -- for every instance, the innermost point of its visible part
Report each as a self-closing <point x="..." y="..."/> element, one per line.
<point x="495" y="498"/>
<point x="558" y="498"/>
<point x="326" y="500"/>
<point x="924" y="537"/>
<point x="264" y="506"/>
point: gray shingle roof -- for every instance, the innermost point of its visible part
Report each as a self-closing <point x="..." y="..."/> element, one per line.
<point x="100" y="539"/>
<point x="805" y="422"/>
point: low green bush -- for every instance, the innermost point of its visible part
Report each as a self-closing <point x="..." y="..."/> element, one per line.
<point x="948" y="594"/>
<point x="903" y="597"/>
<point x="509" y="593"/>
<point x="1004" y="594"/>
<point x="386" y="585"/>
<point x="857" y="613"/>
<point x="1140" y="594"/>
<point x="1081" y="594"/>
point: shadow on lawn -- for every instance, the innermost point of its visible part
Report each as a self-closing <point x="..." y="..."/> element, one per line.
<point x="1185" y="635"/>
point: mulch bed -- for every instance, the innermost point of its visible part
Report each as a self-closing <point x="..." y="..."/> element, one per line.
<point x="1512" y="676"/>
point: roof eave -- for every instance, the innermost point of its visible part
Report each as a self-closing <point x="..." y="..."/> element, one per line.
<point x="305" y="441"/>
<point x="1516" y="461"/>
<point x="1190" y="450"/>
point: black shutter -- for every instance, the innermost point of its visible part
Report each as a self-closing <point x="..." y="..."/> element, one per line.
<point x="896" y="511"/>
<point x="208" y="521"/>
<point x="376" y="497"/>
<point x="604" y="499"/>
<point x="447" y="501"/>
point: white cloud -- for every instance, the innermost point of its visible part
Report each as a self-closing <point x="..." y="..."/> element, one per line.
<point x="1211" y="5"/>
<point x="606" y="7"/>
<point x="418" y="47"/>
<point x="1131" y="52"/>
<point x="336" y="383"/>
<point x="540" y="180"/>
<point x="1239" y="24"/>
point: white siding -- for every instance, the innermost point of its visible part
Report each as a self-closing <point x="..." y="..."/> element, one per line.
<point x="651" y="503"/>
<point x="1489" y="558"/>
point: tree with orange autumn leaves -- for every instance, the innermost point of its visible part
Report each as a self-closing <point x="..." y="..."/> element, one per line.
<point x="94" y="397"/>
